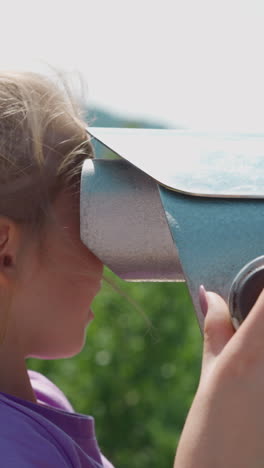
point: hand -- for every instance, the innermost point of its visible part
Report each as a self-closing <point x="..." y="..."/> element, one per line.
<point x="225" y="425"/>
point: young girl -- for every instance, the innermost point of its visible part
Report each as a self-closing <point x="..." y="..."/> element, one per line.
<point x="48" y="280"/>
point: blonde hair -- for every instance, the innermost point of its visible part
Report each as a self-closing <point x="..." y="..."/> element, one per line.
<point x="43" y="142"/>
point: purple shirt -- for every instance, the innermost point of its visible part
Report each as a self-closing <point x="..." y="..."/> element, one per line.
<point x="48" y="433"/>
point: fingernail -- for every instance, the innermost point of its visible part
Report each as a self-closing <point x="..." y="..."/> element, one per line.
<point x="203" y="300"/>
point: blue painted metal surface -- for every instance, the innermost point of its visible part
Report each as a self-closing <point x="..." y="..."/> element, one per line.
<point x="215" y="238"/>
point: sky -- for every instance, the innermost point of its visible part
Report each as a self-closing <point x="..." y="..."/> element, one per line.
<point x="197" y="64"/>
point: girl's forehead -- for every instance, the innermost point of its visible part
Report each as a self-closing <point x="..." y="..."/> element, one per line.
<point x="67" y="212"/>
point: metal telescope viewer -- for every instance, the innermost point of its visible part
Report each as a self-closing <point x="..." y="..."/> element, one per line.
<point x="179" y="206"/>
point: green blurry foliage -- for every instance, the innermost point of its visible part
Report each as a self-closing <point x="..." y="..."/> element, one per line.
<point x="138" y="371"/>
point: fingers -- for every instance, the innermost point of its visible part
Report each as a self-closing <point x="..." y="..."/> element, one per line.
<point x="218" y="329"/>
<point x="247" y="345"/>
<point x="251" y="333"/>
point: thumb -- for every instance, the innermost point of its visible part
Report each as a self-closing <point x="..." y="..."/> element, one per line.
<point x="218" y="328"/>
